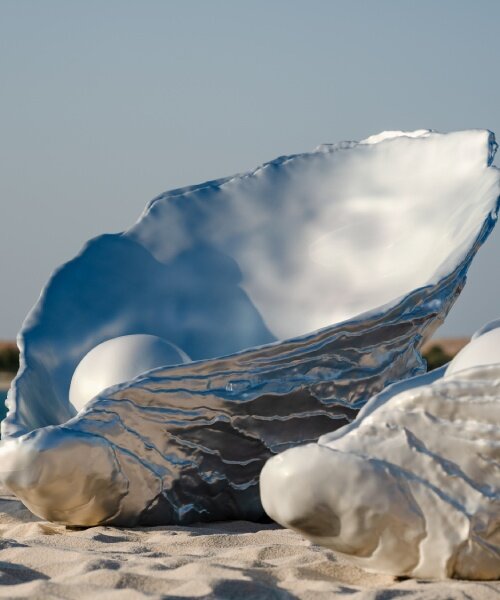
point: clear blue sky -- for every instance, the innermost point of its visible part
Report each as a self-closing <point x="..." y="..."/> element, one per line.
<point x="106" y="103"/>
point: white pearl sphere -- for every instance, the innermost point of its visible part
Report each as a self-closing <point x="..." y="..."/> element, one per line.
<point x="483" y="350"/>
<point x="118" y="360"/>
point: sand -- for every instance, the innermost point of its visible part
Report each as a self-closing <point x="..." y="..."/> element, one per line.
<point x="223" y="560"/>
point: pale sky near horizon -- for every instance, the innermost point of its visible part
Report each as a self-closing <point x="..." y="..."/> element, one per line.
<point x="107" y="103"/>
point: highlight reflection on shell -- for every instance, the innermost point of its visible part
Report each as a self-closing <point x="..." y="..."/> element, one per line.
<point x="351" y="254"/>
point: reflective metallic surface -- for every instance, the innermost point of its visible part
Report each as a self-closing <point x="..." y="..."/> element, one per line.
<point x="187" y="443"/>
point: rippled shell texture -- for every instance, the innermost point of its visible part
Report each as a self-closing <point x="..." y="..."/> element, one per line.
<point x="297" y="291"/>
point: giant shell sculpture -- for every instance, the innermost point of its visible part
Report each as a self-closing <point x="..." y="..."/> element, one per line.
<point x="273" y="304"/>
<point x="412" y="486"/>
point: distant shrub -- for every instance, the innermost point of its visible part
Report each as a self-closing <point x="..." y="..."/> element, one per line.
<point x="436" y="357"/>
<point x="9" y="359"/>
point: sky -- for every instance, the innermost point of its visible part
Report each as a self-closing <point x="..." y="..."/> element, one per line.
<point x="107" y="103"/>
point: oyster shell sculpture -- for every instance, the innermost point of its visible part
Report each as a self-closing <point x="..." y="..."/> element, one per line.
<point x="412" y="486"/>
<point x="262" y="311"/>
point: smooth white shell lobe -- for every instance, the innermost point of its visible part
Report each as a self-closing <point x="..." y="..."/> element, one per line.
<point x="118" y="360"/>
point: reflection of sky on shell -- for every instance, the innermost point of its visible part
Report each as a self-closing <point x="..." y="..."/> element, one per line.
<point x="322" y="237"/>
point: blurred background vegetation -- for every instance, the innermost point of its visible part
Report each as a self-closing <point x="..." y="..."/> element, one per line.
<point x="436" y="357"/>
<point x="9" y="357"/>
<point x="438" y="352"/>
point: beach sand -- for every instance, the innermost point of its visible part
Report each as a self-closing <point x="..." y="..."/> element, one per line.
<point x="222" y="560"/>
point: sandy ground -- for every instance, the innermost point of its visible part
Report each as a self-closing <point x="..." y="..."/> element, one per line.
<point x="239" y="560"/>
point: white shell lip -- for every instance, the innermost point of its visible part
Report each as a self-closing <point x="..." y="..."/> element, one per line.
<point x="390" y="135"/>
